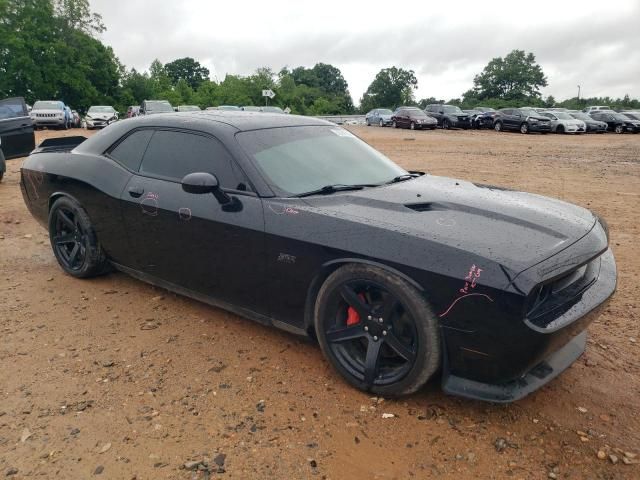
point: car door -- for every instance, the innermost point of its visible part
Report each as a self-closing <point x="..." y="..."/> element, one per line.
<point x="16" y="128"/>
<point x="191" y="240"/>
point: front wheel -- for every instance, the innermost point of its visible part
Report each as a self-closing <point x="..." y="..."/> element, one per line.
<point x="74" y="240"/>
<point x="412" y="126"/>
<point x="524" y="128"/>
<point x="619" y="129"/>
<point x="497" y="126"/>
<point x="377" y="330"/>
<point x="381" y="124"/>
<point x="368" y="123"/>
<point x="445" y="124"/>
<point x="395" y="125"/>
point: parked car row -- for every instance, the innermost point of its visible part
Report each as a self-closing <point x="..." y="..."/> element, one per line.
<point x="596" y="119"/>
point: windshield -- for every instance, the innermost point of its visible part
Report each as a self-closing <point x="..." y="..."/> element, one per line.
<point x="416" y="113"/>
<point x="581" y="116"/>
<point x="451" y="109"/>
<point x="529" y="112"/>
<point x="159" y="107"/>
<point x="188" y="108"/>
<point x="272" y="109"/>
<point x="385" y="111"/>
<point x="485" y="109"/>
<point x="47" y="106"/>
<point x="296" y="160"/>
<point x="620" y="117"/>
<point x="228" y="107"/>
<point x="101" y="110"/>
<point x="632" y="116"/>
<point x="563" y="115"/>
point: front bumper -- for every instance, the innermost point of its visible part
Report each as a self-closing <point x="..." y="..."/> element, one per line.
<point x="556" y="347"/>
<point x="539" y="127"/>
<point x="48" y="121"/>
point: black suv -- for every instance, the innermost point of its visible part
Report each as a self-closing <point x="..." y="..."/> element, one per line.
<point x="449" y="116"/>
<point x="524" y="120"/>
<point x="150" y="107"/>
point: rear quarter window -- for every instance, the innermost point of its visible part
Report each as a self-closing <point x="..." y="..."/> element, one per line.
<point x="129" y="151"/>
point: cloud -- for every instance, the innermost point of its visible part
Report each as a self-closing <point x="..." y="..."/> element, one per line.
<point x="586" y="43"/>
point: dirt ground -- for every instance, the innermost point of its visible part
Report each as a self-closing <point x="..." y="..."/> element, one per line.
<point x="113" y="378"/>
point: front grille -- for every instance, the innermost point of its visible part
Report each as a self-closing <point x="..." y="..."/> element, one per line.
<point x="46" y="115"/>
<point x="553" y="298"/>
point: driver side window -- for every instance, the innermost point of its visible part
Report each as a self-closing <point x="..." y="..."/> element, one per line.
<point x="173" y="154"/>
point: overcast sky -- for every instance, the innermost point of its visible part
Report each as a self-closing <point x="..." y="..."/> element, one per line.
<point x="595" y="44"/>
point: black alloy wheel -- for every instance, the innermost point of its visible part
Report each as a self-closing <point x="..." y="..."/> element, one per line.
<point x="497" y="126"/>
<point x="619" y="129"/>
<point x="377" y="330"/>
<point x="445" y="124"/>
<point x="524" y="128"/>
<point x="74" y="241"/>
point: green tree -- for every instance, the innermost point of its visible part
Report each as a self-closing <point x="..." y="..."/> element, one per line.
<point x="77" y="15"/>
<point x="516" y="77"/>
<point x="390" y="88"/>
<point x="186" y="69"/>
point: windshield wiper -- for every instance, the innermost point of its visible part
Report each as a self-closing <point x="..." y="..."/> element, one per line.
<point x="402" y="178"/>
<point x="338" y="187"/>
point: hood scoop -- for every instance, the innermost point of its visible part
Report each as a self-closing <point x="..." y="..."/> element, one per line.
<point x="420" y="207"/>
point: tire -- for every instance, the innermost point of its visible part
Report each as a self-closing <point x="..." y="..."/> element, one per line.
<point x="497" y="126"/>
<point x="368" y="123"/>
<point x="407" y="341"/>
<point x="445" y="124"/>
<point x="74" y="241"/>
<point x="619" y="129"/>
<point x="1" y="176"/>
<point x="524" y="128"/>
<point x="412" y="126"/>
<point x="395" y="125"/>
<point x="559" y="129"/>
<point x="381" y="124"/>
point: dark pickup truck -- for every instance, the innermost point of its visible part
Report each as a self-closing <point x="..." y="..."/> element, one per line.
<point x="16" y="130"/>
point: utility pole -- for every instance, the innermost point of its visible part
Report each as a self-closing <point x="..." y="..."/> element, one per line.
<point x="578" y="93"/>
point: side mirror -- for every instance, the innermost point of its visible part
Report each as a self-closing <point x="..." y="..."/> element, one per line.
<point x="201" y="182"/>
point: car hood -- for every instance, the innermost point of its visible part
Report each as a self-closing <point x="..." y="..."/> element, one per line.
<point x="101" y="115"/>
<point x="515" y="229"/>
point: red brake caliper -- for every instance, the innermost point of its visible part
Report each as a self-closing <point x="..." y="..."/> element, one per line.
<point x="352" y="315"/>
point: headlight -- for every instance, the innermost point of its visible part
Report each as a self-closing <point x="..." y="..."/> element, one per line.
<point x="533" y="120"/>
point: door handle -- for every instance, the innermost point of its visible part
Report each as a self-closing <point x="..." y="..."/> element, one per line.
<point x="136" y="191"/>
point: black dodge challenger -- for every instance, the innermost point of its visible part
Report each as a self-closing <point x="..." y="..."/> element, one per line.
<point x="297" y="223"/>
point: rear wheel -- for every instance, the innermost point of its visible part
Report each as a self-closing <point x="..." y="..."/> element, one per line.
<point x="74" y="241"/>
<point x="619" y="129"/>
<point x="445" y="124"/>
<point x="559" y="129"/>
<point x="395" y="125"/>
<point x="381" y="123"/>
<point x="524" y="128"/>
<point x="412" y="126"/>
<point x="497" y="126"/>
<point x="377" y="330"/>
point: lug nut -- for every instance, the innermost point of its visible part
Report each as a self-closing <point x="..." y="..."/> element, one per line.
<point x="380" y="320"/>
<point x="366" y="329"/>
<point x="375" y="339"/>
<point x="369" y="317"/>
<point x="384" y="332"/>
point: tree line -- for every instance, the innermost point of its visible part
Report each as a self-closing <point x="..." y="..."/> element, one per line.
<point x="49" y="50"/>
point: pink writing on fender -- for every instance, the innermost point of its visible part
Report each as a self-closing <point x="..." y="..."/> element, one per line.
<point x="471" y="279"/>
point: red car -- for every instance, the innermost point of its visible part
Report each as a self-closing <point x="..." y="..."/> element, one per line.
<point x="413" y="118"/>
